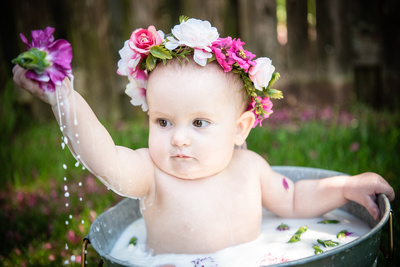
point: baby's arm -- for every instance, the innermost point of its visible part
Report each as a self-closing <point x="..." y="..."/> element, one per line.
<point x="312" y="198"/>
<point x="126" y="171"/>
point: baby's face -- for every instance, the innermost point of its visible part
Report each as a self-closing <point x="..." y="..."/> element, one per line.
<point x="192" y="119"/>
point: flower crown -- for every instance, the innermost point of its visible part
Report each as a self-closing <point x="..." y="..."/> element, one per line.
<point x="146" y="48"/>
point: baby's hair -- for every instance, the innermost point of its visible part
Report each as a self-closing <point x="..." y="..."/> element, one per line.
<point x="234" y="83"/>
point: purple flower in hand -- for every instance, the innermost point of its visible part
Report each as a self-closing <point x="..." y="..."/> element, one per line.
<point x="48" y="61"/>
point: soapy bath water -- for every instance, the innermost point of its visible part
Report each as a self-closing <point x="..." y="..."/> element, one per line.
<point x="270" y="247"/>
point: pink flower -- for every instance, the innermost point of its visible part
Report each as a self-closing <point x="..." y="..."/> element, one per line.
<point x="261" y="108"/>
<point x="241" y="56"/>
<point x="220" y="49"/>
<point x="48" y="61"/>
<point x="262" y="72"/>
<point x="142" y="40"/>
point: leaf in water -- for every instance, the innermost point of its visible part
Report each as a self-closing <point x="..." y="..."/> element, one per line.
<point x="317" y="249"/>
<point x="282" y="227"/>
<point x="133" y="241"/>
<point x="343" y="234"/>
<point x="297" y="235"/>
<point x="329" y="222"/>
<point x="295" y="238"/>
<point x="328" y="243"/>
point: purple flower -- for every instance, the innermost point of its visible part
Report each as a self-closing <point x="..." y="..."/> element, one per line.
<point x="48" y="61"/>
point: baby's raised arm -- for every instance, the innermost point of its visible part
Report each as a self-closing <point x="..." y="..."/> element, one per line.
<point x="127" y="172"/>
<point x="312" y="198"/>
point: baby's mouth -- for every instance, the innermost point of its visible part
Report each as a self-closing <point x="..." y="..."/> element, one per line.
<point x="181" y="156"/>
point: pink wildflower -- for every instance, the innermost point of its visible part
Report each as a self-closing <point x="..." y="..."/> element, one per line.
<point x="241" y="56"/>
<point x="266" y="109"/>
<point x="220" y="49"/>
<point x="48" y="61"/>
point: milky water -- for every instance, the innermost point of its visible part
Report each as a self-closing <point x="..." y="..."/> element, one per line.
<point x="64" y="143"/>
<point x="269" y="248"/>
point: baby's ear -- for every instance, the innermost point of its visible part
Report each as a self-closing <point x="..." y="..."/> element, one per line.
<point x="244" y="125"/>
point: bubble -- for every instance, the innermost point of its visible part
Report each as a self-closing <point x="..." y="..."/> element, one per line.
<point x="77" y="164"/>
<point x="72" y="258"/>
<point x="66" y="222"/>
<point x="62" y="145"/>
<point x="66" y="194"/>
<point x="80" y="199"/>
<point x="64" y="166"/>
<point x="65" y="178"/>
<point x="66" y="246"/>
<point x="82" y="221"/>
<point x="66" y="204"/>
<point x="80" y="184"/>
<point x="65" y="188"/>
<point x="70" y="216"/>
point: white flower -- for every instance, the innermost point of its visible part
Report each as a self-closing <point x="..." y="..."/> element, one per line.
<point x="129" y="60"/>
<point x="136" y="89"/>
<point x="262" y="72"/>
<point x="194" y="33"/>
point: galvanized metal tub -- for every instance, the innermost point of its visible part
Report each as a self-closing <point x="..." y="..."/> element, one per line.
<point x="106" y="229"/>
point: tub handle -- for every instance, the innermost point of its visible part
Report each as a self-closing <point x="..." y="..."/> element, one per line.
<point x="389" y="254"/>
<point x="85" y="243"/>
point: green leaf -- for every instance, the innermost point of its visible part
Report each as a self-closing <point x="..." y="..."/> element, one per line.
<point x="329" y="222"/>
<point x="275" y="77"/>
<point x="302" y="230"/>
<point x="295" y="238"/>
<point x="183" y="18"/>
<point x="133" y="241"/>
<point x="151" y="62"/>
<point x="328" y="243"/>
<point x="160" y="52"/>
<point x="274" y="93"/>
<point x="317" y="250"/>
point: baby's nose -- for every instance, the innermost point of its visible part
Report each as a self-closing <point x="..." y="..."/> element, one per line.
<point x="181" y="138"/>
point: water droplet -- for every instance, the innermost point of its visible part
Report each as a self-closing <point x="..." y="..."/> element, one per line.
<point x="66" y="204"/>
<point x="65" y="178"/>
<point x="66" y="246"/>
<point x="77" y="164"/>
<point x="70" y="216"/>
<point x="66" y="194"/>
<point x="77" y="142"/>
<point x="64" y="166"/>
<point x="83" y="168"/>
<point x="78" y="157"/>
<point x="65" y="188"/>
<point x="76" y="135"/>
<point x="66" y="140"/>
<point x="66" y="262"/>
<point x="61" y="128"/>
<point x="82" y="221"/>
<point x="80" y="199"/>
<point x="72" y="258"/>
<point x="80" y="184"/>
<point x="66" y="222"/>
<point x="62" y="145"/>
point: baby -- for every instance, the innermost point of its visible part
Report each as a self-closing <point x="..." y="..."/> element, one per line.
<point x="198" y="193"/>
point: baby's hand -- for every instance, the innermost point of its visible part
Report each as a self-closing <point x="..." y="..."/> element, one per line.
<point x="363" y="189"/>
<point x="32" y="87"/>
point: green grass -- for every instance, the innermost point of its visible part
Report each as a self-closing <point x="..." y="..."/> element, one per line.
<point x="32" y="201"/>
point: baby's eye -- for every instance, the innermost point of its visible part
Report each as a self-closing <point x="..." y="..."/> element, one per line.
<point x="200" y="123"/>
<point x="163" y="122"/>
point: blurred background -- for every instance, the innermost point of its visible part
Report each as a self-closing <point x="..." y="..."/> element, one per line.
<point x="339" y="63"/>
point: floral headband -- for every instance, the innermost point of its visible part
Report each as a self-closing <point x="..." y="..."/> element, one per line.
<point x="146" y="48"/>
